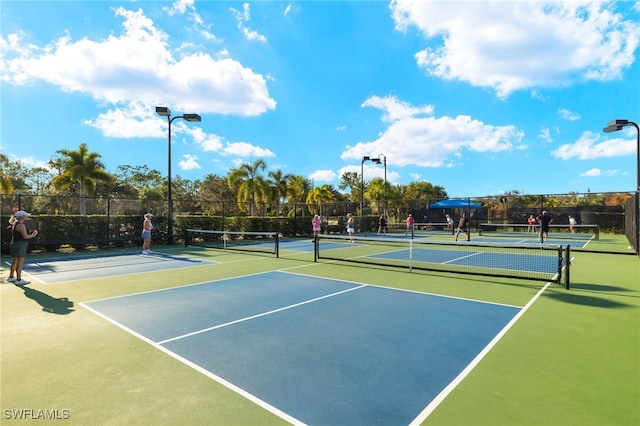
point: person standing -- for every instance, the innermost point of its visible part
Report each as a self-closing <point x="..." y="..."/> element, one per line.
<point x="463" y="226"/>
<point x="19" y="245"/>
<point x="409" y="225"/>
<point x="532" y="223"/>
<point x="572" y="224"/>
<point x="450" y="222"/>
<point x="382" y="224"/>
<point x="147" y="226"/>
<point x="350" y="227"/>
<point x="316" y="223"/>
<point x="545" y="220"/>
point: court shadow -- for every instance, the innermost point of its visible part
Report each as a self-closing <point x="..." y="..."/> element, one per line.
<point x="61" y="306"/>
<point x="586" y="300"/>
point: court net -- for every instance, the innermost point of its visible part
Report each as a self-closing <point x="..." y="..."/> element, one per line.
<point x="519" y="230"/>
<point x="262" y="242"/>
<point x="420" y="228"/>
<point x="534" y="261"/>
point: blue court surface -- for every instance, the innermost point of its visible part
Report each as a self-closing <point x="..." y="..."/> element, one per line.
<point x="312" y="350"/>
<point x="517" y="262"/>
<point x="57" y="270"/>
<point x="555" y="241"/>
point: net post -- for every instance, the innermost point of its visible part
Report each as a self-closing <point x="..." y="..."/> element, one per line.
<point x="277" y="244"/>
<point x="186" y="237"/>
<point x="410" y="255"/>
<point x="560" y="264"/>
<point x="316" y="247"/>
<point x="597" y="232"/>
<point x="567" y="280"/>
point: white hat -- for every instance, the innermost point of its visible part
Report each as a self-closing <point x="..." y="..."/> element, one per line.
<point x="21" y="213"/>
<point x="149" y="215"/>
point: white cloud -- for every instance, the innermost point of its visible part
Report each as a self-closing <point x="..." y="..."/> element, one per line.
<point x="323" y="175"/>
<point x="130" y="121"/>
<point x="545" y="135"/>
<point x="597" y="172"/>
<point x="138" y="67"/>
<point x="515" y="45"/>
<point x="288" y="9"/>
<point x="244" y="149"/>
<point x="395" y="109"/>
<point x="244" y="17"/>
<point x="430" y="141"/>
<point x="207" y="141"/>
<point x="589" y="147"/>
<point x="189" y="162"/>
<point x="565" y="114"/>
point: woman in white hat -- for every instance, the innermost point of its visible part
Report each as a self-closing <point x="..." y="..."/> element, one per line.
<point x="19" y="245"/>
<point x="147" y="226"/>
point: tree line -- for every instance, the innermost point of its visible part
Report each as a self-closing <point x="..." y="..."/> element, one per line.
<point x="81" y="173"/>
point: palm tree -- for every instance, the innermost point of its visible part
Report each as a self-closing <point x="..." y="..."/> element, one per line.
<point x="317" y="196"/>
<point x="279" y="184"/>
<point x="6" y="183"/>
<point x="376" y="191"/>
<point x="250" y="185"/>
<point x="298" y="188"/>
<point x="83" y="168"/>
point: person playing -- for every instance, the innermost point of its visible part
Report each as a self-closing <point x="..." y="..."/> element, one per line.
<point x="409" y="225"/>
<point x="545" y="220"/>
<point x="316" y="223"/>
<point x="19" y="245"/>
<point x="572" y="224"/>
<point x="463" y="226"/>
<point x="532" y="223"/>
<point x="450" y="222"/>
<point x="382" y="224"/>
<point x="147" y="226"/>
<point x="350" y="227"/>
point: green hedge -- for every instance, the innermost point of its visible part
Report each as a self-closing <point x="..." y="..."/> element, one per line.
<point x="86" y="231"/>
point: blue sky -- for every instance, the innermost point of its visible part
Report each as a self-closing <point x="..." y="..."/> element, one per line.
<point x="477" y="97"/>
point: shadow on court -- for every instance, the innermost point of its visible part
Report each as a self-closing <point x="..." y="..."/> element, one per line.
<point x="586" y="300"/>
<point x="61" y="306"/>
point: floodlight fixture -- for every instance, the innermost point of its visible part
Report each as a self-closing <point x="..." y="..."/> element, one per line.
<point x="166" y="112"/>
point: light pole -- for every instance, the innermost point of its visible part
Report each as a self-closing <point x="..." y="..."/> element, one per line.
<point x="166" y="112"/>
<point x="614" y="126"/>
<point x="384" y="157"/>
<point x="374" y="160"/>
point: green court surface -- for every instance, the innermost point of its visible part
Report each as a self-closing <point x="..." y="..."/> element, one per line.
<point x="571" y="358"/>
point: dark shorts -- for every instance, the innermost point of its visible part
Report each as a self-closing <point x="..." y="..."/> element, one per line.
<point x="19" y="248"/>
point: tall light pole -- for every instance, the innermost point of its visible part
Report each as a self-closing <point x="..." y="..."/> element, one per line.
<point x="614" y="126"/>
<point x="166" y="112"/>
<point x="374" y="160"/>
<point x="384" y="157"/>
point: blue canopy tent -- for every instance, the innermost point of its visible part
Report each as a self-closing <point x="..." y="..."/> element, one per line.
<point x="455" y="204"/>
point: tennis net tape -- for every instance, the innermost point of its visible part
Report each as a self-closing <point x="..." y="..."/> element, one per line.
<point x="534" y="261"/>
<point x="518" y="230"/>
<point x="261" y="242"/>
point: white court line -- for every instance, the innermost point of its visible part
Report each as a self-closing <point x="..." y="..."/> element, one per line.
<point x="204" y="330"/>
<point x="464" y="373"/>
<point x="204" y="371"/>
<point x="463" y="257"/>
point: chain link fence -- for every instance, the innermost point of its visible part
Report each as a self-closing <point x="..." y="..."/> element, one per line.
<point x="117" y="222"/>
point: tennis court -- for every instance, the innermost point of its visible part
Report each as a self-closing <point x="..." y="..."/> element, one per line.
<point x="232" y="337"/>
<point x="336" y="352"/>
<point x="56" y="270"/>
